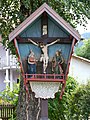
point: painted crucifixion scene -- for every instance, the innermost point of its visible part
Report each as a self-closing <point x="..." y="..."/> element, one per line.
<point x="41" y="60"/>
<point x="56" y="62"/>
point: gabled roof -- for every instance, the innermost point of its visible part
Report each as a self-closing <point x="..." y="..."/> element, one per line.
<point x="36" y="14"/>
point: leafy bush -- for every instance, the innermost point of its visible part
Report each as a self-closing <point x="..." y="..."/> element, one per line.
<point x="11" y="97"/>
<point x="75" y="104"/>
<point x="59" y="109"/>
<point x="80" y="103"/>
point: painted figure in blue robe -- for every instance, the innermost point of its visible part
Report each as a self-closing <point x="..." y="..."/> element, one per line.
<point x="57" y="62"/>
<point x="31" y="63"/>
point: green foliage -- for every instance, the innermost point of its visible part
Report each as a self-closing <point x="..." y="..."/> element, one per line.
<point x="80" y="104"/>
<point x="60" y="109"/>
<point x="9" y="96"/>
<point x="75" y="104"/>
<point x="9" y="19"/>
<point x="84" y="50"/>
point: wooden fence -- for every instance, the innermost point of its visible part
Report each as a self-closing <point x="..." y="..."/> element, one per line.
<point x="6" y="111"/>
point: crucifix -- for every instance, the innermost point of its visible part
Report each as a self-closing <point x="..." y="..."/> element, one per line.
<point x="44" y="56"/>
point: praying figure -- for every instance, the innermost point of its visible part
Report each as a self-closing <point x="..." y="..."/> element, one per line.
<point x="57" y="62"/>
<point x="44" y="55"/>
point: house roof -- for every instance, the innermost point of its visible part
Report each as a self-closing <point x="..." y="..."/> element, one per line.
<point x="81" y="58"/>
<point x="36" y="14"/>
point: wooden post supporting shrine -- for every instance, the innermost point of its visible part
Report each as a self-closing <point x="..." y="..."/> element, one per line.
<point x="44" y="109"/>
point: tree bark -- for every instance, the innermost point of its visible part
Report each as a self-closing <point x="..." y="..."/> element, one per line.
<point x="28" y="108"/>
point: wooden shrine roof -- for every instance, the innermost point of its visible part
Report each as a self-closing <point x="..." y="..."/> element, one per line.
<point x="36" y="14"/>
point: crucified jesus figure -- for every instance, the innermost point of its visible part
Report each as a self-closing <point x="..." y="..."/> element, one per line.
<point x="44" y="56"/>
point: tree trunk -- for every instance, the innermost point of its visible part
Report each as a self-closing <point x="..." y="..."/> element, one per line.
<point x="28" y="108"/>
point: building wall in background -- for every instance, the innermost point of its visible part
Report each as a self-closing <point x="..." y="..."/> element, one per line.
<point x="9" y="69"/>
<point x="2" y="78"/>
<point x="80" y="69"/>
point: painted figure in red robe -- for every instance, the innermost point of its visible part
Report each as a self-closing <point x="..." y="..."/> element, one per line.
<point x="31" y="63"/>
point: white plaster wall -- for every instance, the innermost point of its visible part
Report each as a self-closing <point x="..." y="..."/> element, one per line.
<point x="80" y="70"/>
<point x="15" y="75"/>
<point x="2" y="78"/>
<point x="2" y="55"/>
<point x="2" y="72"/>
<point x="2" y="52"/>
